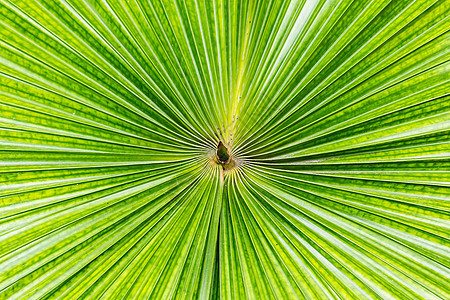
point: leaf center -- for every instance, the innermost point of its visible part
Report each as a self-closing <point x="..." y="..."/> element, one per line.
<point x="222" y="154"/>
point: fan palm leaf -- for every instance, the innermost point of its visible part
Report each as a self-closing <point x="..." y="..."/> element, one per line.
<point x="224" y="149"/>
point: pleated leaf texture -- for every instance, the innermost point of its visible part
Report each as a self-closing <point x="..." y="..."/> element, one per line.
<point x="335" y="172"/>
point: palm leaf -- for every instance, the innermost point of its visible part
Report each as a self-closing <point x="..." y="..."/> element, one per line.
<point x="335" y="114"/>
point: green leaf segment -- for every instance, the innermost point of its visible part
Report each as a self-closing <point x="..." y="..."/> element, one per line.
<point x="118" y="119"/>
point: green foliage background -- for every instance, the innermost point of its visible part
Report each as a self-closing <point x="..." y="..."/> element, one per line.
<point x="335" y="112"/>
